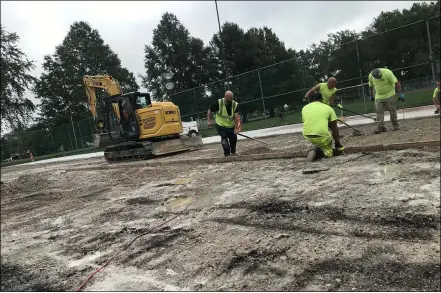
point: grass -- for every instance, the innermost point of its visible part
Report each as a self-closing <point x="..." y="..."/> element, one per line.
<point x="413" y="99"/>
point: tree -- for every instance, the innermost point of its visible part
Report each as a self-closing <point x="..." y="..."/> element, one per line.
<point x="16" y="109"/>
<point x="61" y="88"/>
<point x="403" y="46"/>
<point x="174" y="51"/>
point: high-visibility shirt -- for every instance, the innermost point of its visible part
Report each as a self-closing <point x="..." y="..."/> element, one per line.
<point x="326" y="92"/>
<point x="315" y="117"/>
<point x="385" y="86"/>
<point x="436" y="92"/>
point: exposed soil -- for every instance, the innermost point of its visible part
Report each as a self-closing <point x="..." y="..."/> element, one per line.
<point x="369" y="222"/>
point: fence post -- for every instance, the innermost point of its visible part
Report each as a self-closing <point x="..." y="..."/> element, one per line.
<point x="73" y="129"/>
<point x="81" y="137"/>
<point x="341" y="110"/>
<point x="430" y="52"/>
<point x="261" y="94"/>
<point x="361" y="76"/>
<point x="196" y="104"/>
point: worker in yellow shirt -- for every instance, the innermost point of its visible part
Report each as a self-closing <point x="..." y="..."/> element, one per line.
<point x="386" y="86"/>
<point x="436" y="97"/>
<point x="327" y="89"/>
<point x="317" y="118"/>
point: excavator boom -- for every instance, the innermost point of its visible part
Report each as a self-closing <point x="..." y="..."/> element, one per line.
<point x="106" y="82"/>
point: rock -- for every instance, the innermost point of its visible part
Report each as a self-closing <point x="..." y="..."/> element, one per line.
<point x="278" y="236"/>
<point x="170" y="272"/>
<point x="338" y="280"/>
<point x="283" y="258"/>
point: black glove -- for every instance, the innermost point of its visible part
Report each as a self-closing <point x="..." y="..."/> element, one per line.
<point x="372" y="98"/>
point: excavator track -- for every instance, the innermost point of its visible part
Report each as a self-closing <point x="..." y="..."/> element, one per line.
<point x="128" y="151"/>
<point x="133" y="150"/>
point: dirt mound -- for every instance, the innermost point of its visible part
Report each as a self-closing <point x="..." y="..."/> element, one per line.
<point x="257" y="150"/>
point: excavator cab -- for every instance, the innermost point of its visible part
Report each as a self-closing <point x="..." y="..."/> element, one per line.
<point x="128" y="104"/>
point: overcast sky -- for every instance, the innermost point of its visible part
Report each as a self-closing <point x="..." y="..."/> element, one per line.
<point x="127" y="26"/>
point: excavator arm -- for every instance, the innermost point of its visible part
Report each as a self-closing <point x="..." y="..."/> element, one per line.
<point x="106" y="82"/>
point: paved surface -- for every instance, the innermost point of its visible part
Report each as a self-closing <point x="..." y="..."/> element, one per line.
<point x="409" y="113"/>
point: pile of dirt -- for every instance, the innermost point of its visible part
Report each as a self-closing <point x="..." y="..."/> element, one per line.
<point x="257" y="150"/>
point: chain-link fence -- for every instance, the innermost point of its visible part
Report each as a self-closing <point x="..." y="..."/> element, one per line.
<point x="272" y="95"/>
<point x="70" y="138"/>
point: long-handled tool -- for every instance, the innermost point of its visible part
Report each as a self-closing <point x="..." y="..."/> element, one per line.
<point x="355" y="131"/>
<point x="340" y="107"/>
<point x="243" y="135"/>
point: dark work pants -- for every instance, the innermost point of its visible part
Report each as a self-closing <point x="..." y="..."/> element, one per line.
<point x="229" y="139"/>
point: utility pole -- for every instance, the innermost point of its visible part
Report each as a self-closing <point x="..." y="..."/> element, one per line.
<point x="222" y="43"/>
<point x="430" y="52"/>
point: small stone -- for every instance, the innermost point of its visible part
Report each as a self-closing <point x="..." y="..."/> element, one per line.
<point x="283" y="258"/>
<point x="278" y="236"/>
<point x="338" y="280"/>
<point x="353" y="289"/>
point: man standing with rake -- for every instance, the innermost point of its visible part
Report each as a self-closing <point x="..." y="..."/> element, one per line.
<point x="227" y="122"/>
<point x="386" y="86"/>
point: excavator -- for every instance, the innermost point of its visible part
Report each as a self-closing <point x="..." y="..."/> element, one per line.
<point x="133" y="127"/>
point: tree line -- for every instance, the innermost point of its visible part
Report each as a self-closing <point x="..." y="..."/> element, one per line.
<point x="195" y="64"/>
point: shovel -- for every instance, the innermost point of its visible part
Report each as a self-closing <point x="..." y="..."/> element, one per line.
<point x="243" y="135"/>
<point x="355" y="131"/>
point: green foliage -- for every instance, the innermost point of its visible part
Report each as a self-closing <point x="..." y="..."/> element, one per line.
<point x="16" y="109"/>
<point x="401" y="47"/>
<point x="174" y="51"/>
<point x="61" y="88"/>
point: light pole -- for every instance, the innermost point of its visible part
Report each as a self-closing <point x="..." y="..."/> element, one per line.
<point x="222" y="44"/>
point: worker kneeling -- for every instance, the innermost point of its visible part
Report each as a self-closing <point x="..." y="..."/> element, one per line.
<point x="317" y="119"/>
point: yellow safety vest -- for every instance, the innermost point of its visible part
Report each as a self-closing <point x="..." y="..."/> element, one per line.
<point x="222" y="117"/>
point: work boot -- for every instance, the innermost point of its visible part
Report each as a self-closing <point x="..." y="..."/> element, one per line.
<point x="380" y="130"/>
<point x="336" y="152"/>
<point x="315" y="154"/>
<point x="436" y="111"/>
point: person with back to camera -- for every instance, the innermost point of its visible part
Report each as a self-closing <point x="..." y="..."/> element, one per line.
<point x="317" y="118"/>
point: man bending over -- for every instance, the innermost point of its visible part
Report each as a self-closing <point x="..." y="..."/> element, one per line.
<point x="327" y="89"/>
<point x="227" y="119"/>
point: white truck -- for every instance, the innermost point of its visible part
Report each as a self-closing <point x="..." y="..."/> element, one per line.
<point x="190" y="128"/>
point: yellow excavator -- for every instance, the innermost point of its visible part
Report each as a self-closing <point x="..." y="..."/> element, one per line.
<point x="134" y="126"/>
